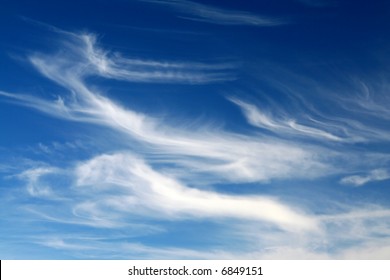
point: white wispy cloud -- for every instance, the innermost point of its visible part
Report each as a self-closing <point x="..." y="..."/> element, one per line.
<point x="58" y="243"/>
<point x="221" y="154"/>
<point x="113" y="191"/>
<point x="35" y="186"/>
<point x="304" y="120"/>
<point x="284" y="125"/>
<point x="158" y="194"/>
<point x="347" y="235"/>
<point x="108" y="248"/>
<point x="89" y="59"/>
<point x="231" y="156"/>
<point x="372" y="176"/>
<point x="369" y="99"/>
<point x="210" y="14"/>
<point x="355" y="232"/>
<point x="118" y="67"/>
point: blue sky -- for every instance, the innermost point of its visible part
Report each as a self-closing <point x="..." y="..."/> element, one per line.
<point x="175" y="129"/>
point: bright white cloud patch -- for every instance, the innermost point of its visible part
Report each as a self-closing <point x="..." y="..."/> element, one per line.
<point x="152" y="193"/>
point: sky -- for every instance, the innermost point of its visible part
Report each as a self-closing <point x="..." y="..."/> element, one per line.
<point x="180" y="129"/>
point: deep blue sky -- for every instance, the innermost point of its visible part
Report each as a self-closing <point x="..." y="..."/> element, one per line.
<point x="194" y="129"/>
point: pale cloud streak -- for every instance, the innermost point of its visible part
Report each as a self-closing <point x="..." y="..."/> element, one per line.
<point x="206" y="13"/>
<point x="369" y="99"/>
<point x="89" y="59"/>
<point x="35" y="186"/>
<point x="222" y="155"/>
<point x="372" y="176"/>
<point x="115" y="66"/>
<point x="159" y="194"/>
<point x="281" y="126"/>
<point x="305" y="121"/>
<point x="349" y="235"/>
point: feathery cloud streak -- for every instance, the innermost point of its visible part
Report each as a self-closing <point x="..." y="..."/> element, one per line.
<point x="96" y="61"/>
<point x="306" y="121"/>
<point x="221" y="154"/>
<point x="283" y="126"/>
<point x="159" y="194"/>
<point x="372" y="176"/>
<point x="225" y="157"/>
<point x="210" y="14"/>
